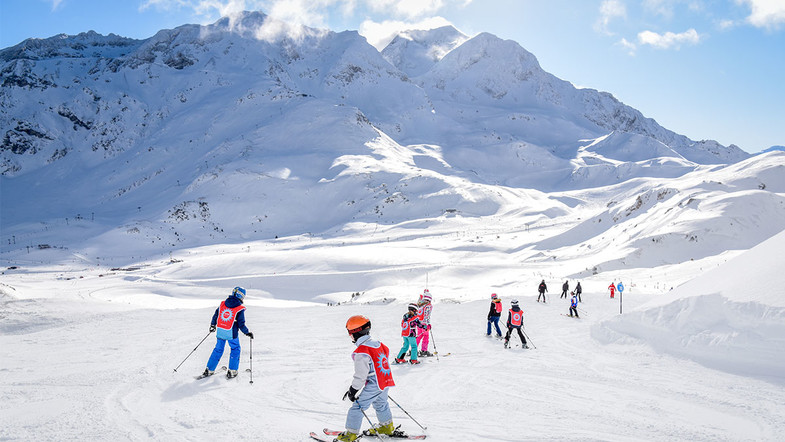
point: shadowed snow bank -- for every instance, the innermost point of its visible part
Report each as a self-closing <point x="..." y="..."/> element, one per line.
<point x="745" y="338"/>
<point x="731" y="318"/>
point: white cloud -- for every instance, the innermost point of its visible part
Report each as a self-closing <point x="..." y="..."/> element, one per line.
<point x="410" y="9"/>
<point x="660" y="7"/>
<point x="56" y="4"/>
<point x="610" y="10"/>
<point x="725" y="25"/>
<point x="768" y="14"/>
<point x="379" y="34"/>
<point x="404" y="14"/>
<point x="668" y="40"/>
<point x="628" y="45"/>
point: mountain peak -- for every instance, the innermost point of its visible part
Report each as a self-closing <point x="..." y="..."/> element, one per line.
<point x="82" y="45"/>
<point x="415" y="51"/>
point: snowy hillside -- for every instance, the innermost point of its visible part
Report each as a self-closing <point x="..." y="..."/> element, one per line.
<point x="628" y="377"/>
<point x="731" y="318"/>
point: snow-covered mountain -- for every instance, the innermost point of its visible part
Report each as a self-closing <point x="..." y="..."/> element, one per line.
<point x="251" y="128"/>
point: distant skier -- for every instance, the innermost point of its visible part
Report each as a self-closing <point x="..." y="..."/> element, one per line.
<point x="564" y="289"/>
<point x="424" y="312"/>
<point x="494" y="314"/>
<point x="514" y="322"/>
<point x="578" y="291"/>
<point x="372" y="375"/>
<point x="612" y="288"/>
<point x="542" y="289"/>
<point x="409" y="326"/>
<point x="574" y="305"/>
<point x="228" y="319"/>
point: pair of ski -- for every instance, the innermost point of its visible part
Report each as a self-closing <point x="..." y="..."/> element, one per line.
<point x="397" y="435"/>
<point x="224" y="368"/>
<point x="578" y="317"/>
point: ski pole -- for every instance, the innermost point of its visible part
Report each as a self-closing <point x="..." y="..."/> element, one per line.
<point x="251" y="353"/>
<point x="435" y="350"/>
<point x="582" y="311"/>
<point x="192" y="351"/>
<point x="407" y="413"/>
<point x="372" y="425"/>
<point x="528" y="338"/>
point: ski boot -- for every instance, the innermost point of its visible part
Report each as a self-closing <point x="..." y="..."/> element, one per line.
<point x="346" y="436"/>
<point x="506" y="343"/>
<point x="231" y="374"/>
<point x="207" y="372"/>
<point x="400" y="360"/>
<point x="387" y="429"/>
<point x="425" y="353"/>
<point x="414" y="361"/>
<point x="525" y="346"/>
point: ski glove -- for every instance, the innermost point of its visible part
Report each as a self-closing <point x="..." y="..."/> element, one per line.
<point x="249" y="334"/>
<point x="351" y="394"/>
<point x="212" y="328"/>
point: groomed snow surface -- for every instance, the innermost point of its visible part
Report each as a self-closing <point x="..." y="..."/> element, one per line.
<point x="89" y="353"/>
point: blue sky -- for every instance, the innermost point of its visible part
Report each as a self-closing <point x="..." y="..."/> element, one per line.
<point x="708" y="69"/>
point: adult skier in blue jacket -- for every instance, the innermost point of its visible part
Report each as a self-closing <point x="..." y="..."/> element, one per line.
<point x="228" y="320"/>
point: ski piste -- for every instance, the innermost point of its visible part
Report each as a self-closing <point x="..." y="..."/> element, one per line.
<point x="329" y="432"/>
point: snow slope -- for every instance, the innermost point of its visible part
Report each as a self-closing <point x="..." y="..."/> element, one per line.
<point x="89" y="352"/>
<point x="731" y="318"/>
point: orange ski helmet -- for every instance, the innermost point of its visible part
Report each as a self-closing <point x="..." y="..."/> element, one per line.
<point x="357" y="326"/>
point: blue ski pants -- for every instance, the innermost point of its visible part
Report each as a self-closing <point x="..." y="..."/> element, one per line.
<point x="409" y="341"/>
<point x="371" y="395"/>
<point x="495" y="321"/>
<point x="218" y="351"/>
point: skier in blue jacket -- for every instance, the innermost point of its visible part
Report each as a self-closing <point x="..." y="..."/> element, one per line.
<point x="229" y="318"/>
<point x="574" y="305"/>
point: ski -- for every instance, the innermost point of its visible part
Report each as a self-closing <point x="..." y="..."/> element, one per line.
<point x="578" y="317"/>
<point x="397" y="435"/>
<point x="202" y="376"/>
<point x="319" y="438"/>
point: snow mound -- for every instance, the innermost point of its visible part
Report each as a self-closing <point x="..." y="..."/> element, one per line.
<point x="730" y="319"/>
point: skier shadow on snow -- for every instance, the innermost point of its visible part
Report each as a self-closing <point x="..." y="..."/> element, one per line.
<point x="182" y="390"/>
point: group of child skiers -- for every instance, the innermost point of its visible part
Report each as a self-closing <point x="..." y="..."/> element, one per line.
<point x="372" y="374"/>
<point x="415" y="330"/>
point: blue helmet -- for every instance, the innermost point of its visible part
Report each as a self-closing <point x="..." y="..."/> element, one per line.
<point x="239" y="293"/>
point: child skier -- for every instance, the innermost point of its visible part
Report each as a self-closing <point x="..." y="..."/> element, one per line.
<point x="409" y="332"/>
<point x="373" y="376"/>
<point x="542" y="289"/>
<point x="515" y="321"/>
<point x="574" y="305"/>
<point x="424" y="313"/>
<point x="612" y="288"/>
<point x="228" y="318"/>
<point x="494" y="314"/>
